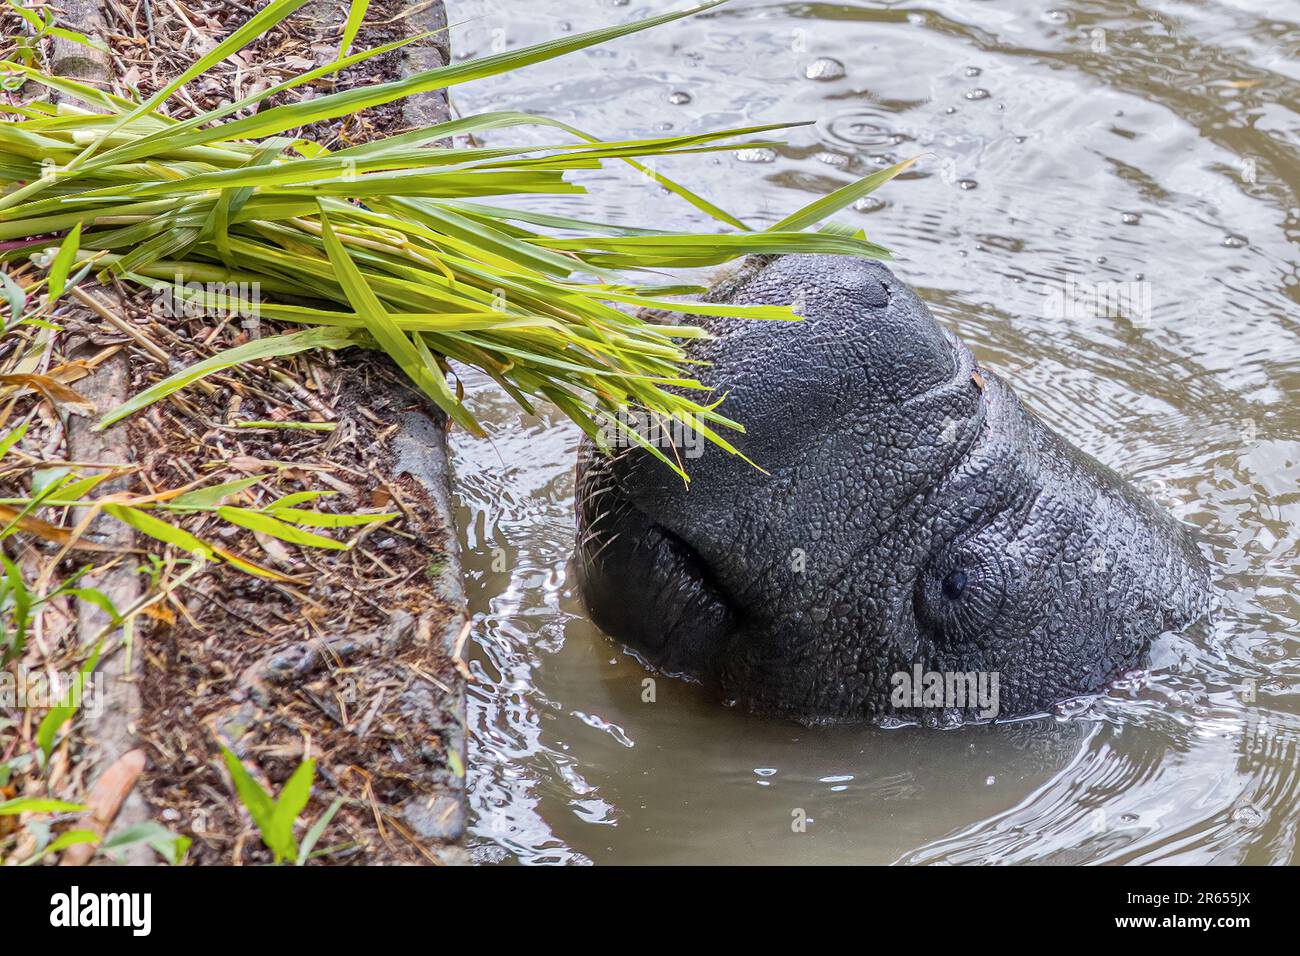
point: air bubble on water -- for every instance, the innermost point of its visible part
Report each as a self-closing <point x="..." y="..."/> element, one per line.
<point x="990" y="780"/>
<point x="869" y="204"/>
<point x="967" y="184"/>
<point x="1130" y="218"/>
<point x="679" y="98"/>
<point x="759" y="154"/>
<point x="1235" y="242"/>
<point x="765" y="771"/>
<point x="1067" y="709"/>
<point x="1100" y="260"/>
<point x="838" y="160"/>
<point x="824" y="68"/>
<point x="1247" y="815"/>
<point x="973" y="71"/>
<point x="950" y="110"/>
<point x="978" y="93"/>
<point x="1056" y="16"/>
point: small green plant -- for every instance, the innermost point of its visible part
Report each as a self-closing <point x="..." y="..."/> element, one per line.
<point x="275" y="818"/>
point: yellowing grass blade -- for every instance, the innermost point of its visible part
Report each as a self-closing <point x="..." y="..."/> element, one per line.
<point x="412" y="359"/>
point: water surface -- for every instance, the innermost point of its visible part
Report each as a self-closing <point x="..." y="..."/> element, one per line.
<point x="1075" y="143"/>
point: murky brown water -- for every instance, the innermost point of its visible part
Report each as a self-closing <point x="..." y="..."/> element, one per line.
<point x="1084" y="142"/>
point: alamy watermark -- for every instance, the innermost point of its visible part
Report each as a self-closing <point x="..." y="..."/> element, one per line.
<point x="947" y="689"/>
<point x="196" y="300"/>
<point x="1090" y="300"/>
<point x="43" y="690"/>
<point x="133" y="911"/>
<point x="677" y="437"/>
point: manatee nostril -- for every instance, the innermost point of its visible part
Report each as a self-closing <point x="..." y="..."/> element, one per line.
<point x="874" y="293"/>
<point x="954" y="585"/>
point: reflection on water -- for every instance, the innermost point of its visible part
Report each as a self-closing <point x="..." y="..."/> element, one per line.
<point x="1082" y="142"/>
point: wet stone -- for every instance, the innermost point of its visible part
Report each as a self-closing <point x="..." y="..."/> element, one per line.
<point x="441" y="817"/>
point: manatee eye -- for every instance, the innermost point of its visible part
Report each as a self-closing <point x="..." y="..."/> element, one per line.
<point x="954" y="585"/>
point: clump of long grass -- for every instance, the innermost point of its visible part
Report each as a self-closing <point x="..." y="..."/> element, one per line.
<point x="392" y="244"/>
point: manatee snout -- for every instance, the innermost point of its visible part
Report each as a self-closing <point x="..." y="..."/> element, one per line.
<point x="911" y="518"/>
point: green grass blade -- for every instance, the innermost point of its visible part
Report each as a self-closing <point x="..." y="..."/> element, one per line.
<point x="271" y="347"/>
<point x="280" y="119"/>
<point x="159" y="530"/>
<point x="264" y="523"/>
<point x="62" y="263"/>
<point x="356" y="14"/>
<point x="38" y="805"/>
<point x="293" y="799"/>
<point x="818" y="210"/>
<point x="317" y="830"/>
<point x="261" y="22"/>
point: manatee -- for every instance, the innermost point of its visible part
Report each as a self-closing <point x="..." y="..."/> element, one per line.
<point x="909" y="519"/>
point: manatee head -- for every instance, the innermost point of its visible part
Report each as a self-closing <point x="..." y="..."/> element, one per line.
<point x="911" y="518"/>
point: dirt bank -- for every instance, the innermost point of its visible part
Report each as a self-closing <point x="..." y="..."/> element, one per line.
<point x="349" y="655"/>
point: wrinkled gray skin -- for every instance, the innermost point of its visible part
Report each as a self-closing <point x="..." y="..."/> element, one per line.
<point x="913" y="512"/>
